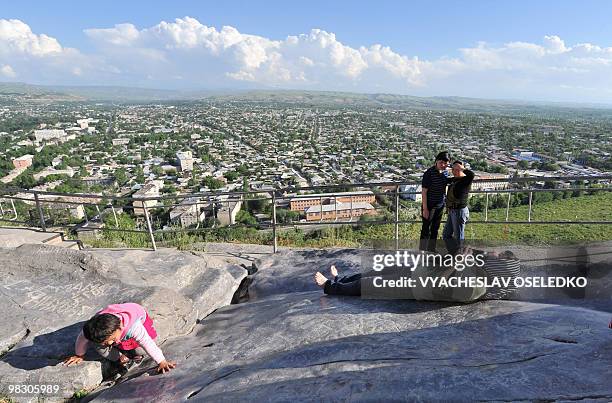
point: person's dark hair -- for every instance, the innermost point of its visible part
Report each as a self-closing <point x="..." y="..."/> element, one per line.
<point x="443" y="156"/>
<point x="100" y="327"/>
<point x="508" y="255"/>
<point x="458" y="162"/>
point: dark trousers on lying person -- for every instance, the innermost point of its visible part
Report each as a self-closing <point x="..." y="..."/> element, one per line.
<point x="345" y="285"/>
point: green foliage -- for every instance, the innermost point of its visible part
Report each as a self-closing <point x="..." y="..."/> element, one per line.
<point x="244" y="217"/>
<point x="111" y="238"/>
<point x="121" y="176"/>
<point x="284" y="216"/>
<point x="258" y="205"/>
<point x="157" y="170"/>
<point x="169" y="188"/>
<point x="585" y="208"/>
<point x="231" y="176"/>
<point x="80" y="394"/>
<point x="6" y="166"/>
<point x="25" y="180"/>
<point x="522" y="164"/>
<point x="546" y="166"/>
<point x="212" y="183"/>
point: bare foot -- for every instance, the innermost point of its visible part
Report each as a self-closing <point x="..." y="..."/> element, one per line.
<point x="333" y="271"/>
<point x="320" y="279"/>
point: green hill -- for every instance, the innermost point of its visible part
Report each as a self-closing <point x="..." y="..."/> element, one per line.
<point x="596" y="207"/>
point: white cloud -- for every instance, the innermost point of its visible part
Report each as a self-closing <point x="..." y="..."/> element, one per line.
<point x="120" y="35"/>
<point x="185" y="53"/>
<point x="17" y="37"/>
<point x="7" y="71"/>
<point x="41" y="58"/>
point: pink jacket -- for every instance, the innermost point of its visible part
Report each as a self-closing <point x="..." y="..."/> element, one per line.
<point x="136" y="325"/>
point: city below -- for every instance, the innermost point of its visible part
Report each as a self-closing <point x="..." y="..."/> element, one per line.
<point x="277" y="143"/>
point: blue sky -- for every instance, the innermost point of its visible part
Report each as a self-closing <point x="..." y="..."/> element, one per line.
<point x="432" y="32"/>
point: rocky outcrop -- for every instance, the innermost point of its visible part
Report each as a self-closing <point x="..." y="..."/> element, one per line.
<point x="290" y="342"/>
<point x="48" y="292"/>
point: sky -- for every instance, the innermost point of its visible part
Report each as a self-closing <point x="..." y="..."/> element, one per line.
<point x="529" y="50"/>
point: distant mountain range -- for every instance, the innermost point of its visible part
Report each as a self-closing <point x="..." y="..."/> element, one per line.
<point x="314" y="98"/>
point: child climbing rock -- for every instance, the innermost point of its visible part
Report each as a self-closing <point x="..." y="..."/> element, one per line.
<point x="120" y="333"/>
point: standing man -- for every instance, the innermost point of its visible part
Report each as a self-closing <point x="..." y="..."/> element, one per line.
<point x="456" y="203"/>
<point x="433" y="193"/>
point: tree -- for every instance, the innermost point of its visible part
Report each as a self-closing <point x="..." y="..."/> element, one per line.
<point x="286" y="216"/>
<point x="25" y="180"/>
<point x="139" y="173"/>
<point x="231" y="176"/>
<point x="157" y="170"/>
<point x="212" y="183"/>
<point x="121" y="177"/>
<point x="522" y="164"/>
<point x="244" y="217"/>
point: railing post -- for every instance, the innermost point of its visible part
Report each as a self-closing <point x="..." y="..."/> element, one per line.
<point x="14" y="210"/>
<point x="336" y="209"/>
<point x="1" y="209"/>
<point x="508" y="206"/>
<point x="321" y="208"/>
<point x="40" y="213"/>
<point x="486" y="206"/>
<point x="275" y="244"/>
<point x="530" y="199"/>
<point x="229" y="212"/>
<point x="149" y="227"/>
<point x="114" y="215"/>
<point x="397" y="205"/>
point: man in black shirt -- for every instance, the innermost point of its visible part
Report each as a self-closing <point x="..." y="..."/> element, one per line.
<point x="456" y="203"/>
<point x="433" y="194"/>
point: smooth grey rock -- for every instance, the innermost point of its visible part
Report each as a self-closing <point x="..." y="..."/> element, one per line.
<point x="208" y="281"/>
<point x="310" y="347"/>
<point x="292" y="270"/>
<point x="291" y="342"/>
<point x="49" y="291"/>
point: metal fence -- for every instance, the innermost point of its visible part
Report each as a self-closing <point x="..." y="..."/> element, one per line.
<point x="279" y="197"/>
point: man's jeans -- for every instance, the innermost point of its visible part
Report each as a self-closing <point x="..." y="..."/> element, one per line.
<point x="454" y="229"/>
<point x="429" y="229"/>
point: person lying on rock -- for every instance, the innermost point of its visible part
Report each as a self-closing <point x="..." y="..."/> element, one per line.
<point x="121" y="333"/>
<point x="502" y="265"/>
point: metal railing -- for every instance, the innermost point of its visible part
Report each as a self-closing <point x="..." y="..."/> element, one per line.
<point x="280" y="197"/>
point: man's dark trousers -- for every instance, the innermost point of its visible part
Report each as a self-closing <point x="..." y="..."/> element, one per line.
<point x="429" y="229"/>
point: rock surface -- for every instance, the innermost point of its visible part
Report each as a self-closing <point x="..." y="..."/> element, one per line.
<point x="48" y="292"/>
<point x="290" y="342"/>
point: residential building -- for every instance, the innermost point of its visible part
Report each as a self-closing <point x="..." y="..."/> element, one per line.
<point x="190" y="212"/>
<point x="498" y="181"/>
<point x="301" y="203"/>
<point x="228" y="210"/>
<point x="49" y="134"/>
<point x="339" y="211"/>
<point x="411" y="192"/>
<point x="150" y="189"/>
<point x="23" y="162"/>
<point x="185" y="160"/>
